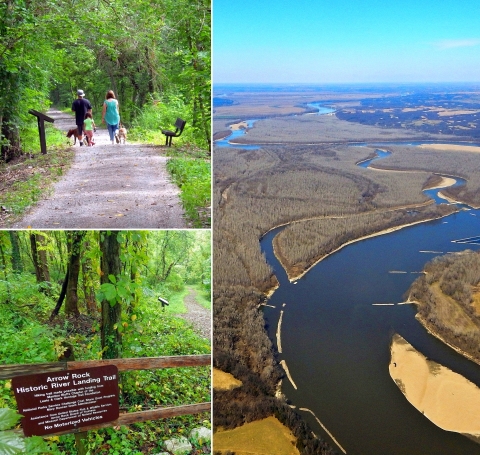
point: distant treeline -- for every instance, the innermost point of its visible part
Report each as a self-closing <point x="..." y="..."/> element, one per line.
<point x="463" y="164"/>
<point x="451" y="278"/>
<point x="423" y="110"/>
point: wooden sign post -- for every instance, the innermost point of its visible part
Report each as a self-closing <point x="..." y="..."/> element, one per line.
<point x="41" y="119"/>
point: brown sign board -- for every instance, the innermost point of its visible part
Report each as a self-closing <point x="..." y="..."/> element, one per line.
<point x="66" y="400"/>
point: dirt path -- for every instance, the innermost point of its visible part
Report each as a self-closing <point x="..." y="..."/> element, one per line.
<point x="199" y="316"/>
<point x="109" y="186"/>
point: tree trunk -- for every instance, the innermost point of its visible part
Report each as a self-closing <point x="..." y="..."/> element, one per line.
<point x="74" y="245"/>
<point x="87" y="283"/>
<point x="39" y="256"/>
<point x="17" y="265"/>
<point x="63" y="292"/>
<point x="4" y="266"/>
<point x="111" y="313"/>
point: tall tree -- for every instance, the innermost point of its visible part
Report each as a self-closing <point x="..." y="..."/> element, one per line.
<point x="3" y="264"/>
<point x="111" y="304"/>
<point x="74" y="246"/>
<point x="173" y="249"/>
<point x="17" y="265"/>
<point x="39" y="256"/>
<point x="89" y="278"/>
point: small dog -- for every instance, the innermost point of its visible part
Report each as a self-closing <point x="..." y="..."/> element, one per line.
<point x="73" y="132"/>
<point x="122" y="134"/>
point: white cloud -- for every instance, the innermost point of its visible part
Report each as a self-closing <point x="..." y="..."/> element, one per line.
<point x="453" y="43"/>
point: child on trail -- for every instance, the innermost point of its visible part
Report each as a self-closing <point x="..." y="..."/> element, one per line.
<point x="89" y="127"/>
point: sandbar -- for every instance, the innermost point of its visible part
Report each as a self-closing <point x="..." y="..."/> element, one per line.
<point x="450" y="147"/>
<point x="224" y="381"/>
<point x="446" y="398"/>
<point x="239" y="126"/>
<point x="446" y="181"/>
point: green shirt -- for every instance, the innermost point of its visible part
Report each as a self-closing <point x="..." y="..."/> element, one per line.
<point x="88" y="124"/>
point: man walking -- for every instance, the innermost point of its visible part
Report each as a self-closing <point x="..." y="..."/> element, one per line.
<point x="81" y="106"/>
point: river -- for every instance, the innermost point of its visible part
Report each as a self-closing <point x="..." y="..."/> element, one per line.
<point x="335" y="339"/>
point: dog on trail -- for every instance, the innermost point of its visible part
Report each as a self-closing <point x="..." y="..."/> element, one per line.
<point x="73" y="132"/>
<point x="122" y="134"/>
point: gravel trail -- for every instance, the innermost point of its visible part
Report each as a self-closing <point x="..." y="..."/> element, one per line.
<point x="198" y="316"/>
<point x="109" y="186"/>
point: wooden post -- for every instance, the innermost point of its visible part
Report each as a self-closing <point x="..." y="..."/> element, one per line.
<point x="41" y="119"/>
<point x="80" y="442"/>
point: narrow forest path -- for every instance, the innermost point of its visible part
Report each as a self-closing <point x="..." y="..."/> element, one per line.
<point x="197" y="315"/>
<point x="109" y="186"/>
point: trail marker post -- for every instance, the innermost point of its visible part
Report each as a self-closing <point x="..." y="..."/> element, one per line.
<point x="41" y="119"/>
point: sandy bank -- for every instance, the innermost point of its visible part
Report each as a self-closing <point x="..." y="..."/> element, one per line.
<point x="224" y="381"/>
<point x="450" y="147"/>
<point x="239" y="126"/>
<point x="262" y="437"/>
<point x="446" y="398"/>
<point x="446" y="181"/>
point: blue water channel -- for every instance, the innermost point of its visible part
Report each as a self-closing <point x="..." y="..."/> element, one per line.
<point x="336" y="341"/>
<point x="227" y="141"/>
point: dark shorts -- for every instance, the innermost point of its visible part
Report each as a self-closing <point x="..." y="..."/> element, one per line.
<point x="80" y="129"/>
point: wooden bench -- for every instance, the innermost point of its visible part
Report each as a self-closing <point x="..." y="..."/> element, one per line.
<point x="179" y="126"/>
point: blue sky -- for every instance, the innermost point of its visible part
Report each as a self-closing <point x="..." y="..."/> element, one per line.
<point x="346" y="41"/>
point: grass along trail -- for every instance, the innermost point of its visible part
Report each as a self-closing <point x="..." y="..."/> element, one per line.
<point x="109" y="186"/>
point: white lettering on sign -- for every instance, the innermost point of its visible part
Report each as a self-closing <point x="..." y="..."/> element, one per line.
<point x="60" y="384"/>
<point x="82" y="375"/>
<point x="87" y="381"/>
<point x="59" y="378"/>
<point x="31" y="389"/>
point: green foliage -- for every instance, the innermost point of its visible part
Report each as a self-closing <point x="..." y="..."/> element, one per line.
<point x="12" y="443"/>
<point x="176" y="302"/>
<point x="162" y="114"/>
<point x="8" y="418"/>
<point x="203" y="295"/>
<point x="164" y="336"/>
<point x="141" y="50"/>
<point x="54" y="138"/>
<point x="117" y="291"/>
<point x="194" y="179"/>
<point x="153" y="263"/>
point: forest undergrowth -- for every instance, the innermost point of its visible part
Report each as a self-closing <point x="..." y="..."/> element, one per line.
<point x="30" y="335"/>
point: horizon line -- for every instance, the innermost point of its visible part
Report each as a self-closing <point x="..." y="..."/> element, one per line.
<point x="347" y="83"/>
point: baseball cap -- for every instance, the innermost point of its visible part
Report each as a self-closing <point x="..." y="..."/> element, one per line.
<point x="80" y="93"/>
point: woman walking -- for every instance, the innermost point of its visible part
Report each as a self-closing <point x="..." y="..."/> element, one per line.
<point x="110" y="115"/>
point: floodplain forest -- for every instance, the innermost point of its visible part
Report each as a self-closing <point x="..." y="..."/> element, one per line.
<point x="305" y="176"/>
<point x="448" y="299"/>
<point x="86" y="295"/>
